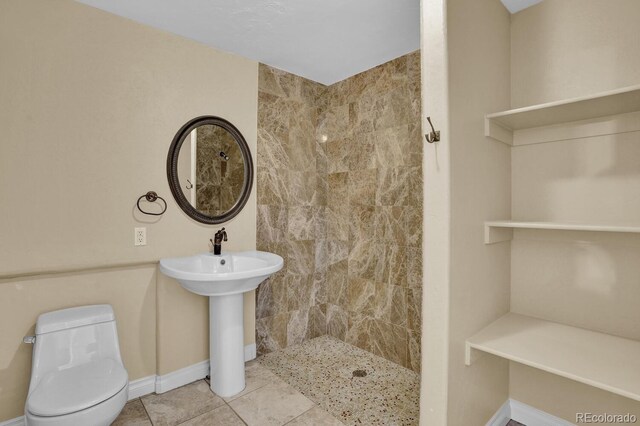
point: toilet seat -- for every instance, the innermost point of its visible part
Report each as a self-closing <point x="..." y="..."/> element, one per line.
<point x="77" y="388"/>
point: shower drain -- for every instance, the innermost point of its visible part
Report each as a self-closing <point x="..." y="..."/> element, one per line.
<point x="359" y="373"/>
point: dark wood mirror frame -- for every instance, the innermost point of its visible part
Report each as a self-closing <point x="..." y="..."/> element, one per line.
<point x="172" y="169"/>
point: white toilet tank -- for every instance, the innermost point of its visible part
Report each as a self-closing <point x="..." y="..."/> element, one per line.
<point x="72" y="337"/>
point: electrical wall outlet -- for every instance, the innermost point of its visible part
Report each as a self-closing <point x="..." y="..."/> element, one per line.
<point x="140" y="237"/>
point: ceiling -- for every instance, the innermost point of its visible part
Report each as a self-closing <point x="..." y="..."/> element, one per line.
<point x="515" y="6"/>
<point x="322" y="40"/>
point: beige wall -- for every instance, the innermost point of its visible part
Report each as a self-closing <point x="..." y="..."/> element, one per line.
<point x="478" y="44"/>
<point x="566" y="48"/>
<point x="89" y="105"/>
<point x="436" y="217"/>
<point x="562" y="49"/>
<point x="475" y="172"/>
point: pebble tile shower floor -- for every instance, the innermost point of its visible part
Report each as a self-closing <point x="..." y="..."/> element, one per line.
<point x="323" y="370"/>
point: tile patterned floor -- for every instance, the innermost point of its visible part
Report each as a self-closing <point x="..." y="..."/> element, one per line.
<point x="308" y="384"/>
<point x="266" y="400"/>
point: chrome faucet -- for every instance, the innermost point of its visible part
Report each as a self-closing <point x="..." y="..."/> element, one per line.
<point x="217" y="241"/>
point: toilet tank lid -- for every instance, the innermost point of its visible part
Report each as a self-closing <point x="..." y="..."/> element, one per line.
<point x="74" y="317"/>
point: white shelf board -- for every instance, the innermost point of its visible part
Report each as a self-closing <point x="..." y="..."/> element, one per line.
<point x="502" y="230"/>
<point x="501" y="125"/>
<point x="596" y="359"/>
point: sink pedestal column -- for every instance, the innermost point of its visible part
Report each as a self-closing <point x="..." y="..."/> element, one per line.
<point x="226" y="344"/>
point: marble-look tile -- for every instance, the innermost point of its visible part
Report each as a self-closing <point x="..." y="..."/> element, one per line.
<point x="318" y="320"/>
<point x="272" y="223"/>
<point x="220" y="416"/>
<point x="362" y="223"/>
<point x="271" y="333"/>
<point x="273" y="187"/>
<point x="298" y="327"/>
<point x="393" y="187"/>
<point x="300" y="291"/>
<point x="414" y="267"/>
<point x="391" y="109"/>
<point x="274" y="404"/>
<point x="338" y="188"/>
<point x="322" y="255"/>
<point x="362" y="187"/>
<point x="358" y="331"/>
<point x="412" y="224"/>
<point x="390" y="225"/>
<point x="302" y="257"/>
<point x="315" y="417"/>
<point x="334" y="122"/>
<point x="319" y="290"/>
<point x="271" y="297"/>
<point x="181" y="404"/>
<point x="133" y="414"/>
<point x="392" y="265"/>
<point x="320" y="230"/>
<point x="272" y="152"/>
<point x="388" y="341"/>
<point x="301" y="223"/>
<point x="337" y="155"/>
<point x="338" y="251"/>
<point x="337" y="288"/>
<point x="363" y="259"/>
<point x="361" y="296"/>
<point x="301" y="139"/>
<point x="338" y="222"/>
<point x="414" y="309"/>
<point x="413" y="350"/>
<point x="337" y="321"/>
<point x="390" y="304"/>
<point x="302" y="188"/>
<point x="362" y="152"/>
<point x="273" y="114"/>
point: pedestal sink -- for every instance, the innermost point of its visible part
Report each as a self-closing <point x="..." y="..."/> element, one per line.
<point x="224" y="278"/>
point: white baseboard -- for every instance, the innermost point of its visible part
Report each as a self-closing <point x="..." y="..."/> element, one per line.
<point x="161" y="384"/>
<point x="141" y="387"/>
<point x="525" y="414"/>
<point x="250" y="352"/>
<point x="502" y="416"/>
<point x="530" y="416"/>
<point x="181" y="377"/>
<point x="18" y="421"/>
<point x="194" y="372"/>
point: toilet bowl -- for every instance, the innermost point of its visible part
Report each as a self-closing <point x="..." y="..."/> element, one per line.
<point x="77" y="375"/>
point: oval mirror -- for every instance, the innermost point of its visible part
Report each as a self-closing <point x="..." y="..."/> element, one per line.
<point x="210" y="169"/>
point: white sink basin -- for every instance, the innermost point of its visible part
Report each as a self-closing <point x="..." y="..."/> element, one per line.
<point x="229" y="273"/>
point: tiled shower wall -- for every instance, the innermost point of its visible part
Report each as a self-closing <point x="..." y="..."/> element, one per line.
<point x="361" y="222"/>
<point x="291" y="190"/>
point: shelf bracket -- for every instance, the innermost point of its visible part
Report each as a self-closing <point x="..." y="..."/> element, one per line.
<point x="494" y="234"/>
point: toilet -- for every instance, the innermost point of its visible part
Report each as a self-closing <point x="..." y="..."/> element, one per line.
<point x="77" y="375"/>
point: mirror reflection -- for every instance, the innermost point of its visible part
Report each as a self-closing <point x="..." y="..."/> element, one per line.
<point x="211" y="170"/>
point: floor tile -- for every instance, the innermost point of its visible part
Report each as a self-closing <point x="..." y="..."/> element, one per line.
<point x="315" y="417"/>
<point x="272" y="405"/>
<point x="133" y="414"/>
<point x="256" y="376"/>
<point x="223" y="416"/>
<point x="179" y="405"/>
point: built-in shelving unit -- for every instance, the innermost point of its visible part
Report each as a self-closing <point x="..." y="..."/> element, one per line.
<point x="596" y="359"/>
<point x="502" y="230"/>
<point x="502" y="125"/>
